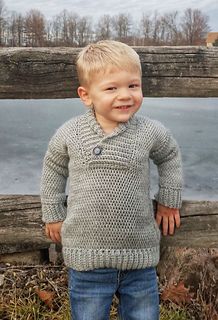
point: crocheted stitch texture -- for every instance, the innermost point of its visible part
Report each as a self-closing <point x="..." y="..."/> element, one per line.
<point x="109" y="220"/>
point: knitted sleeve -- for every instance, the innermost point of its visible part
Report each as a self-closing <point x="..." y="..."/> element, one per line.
<point x="54" y="179"/>
<point x="166" y="155"/>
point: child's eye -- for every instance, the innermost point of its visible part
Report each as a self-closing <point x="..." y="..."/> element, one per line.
<point x="134" y="85"/>
<point x="111" y="88"/>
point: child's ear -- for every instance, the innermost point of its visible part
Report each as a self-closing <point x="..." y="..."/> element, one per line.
<point x="84" y="96"/>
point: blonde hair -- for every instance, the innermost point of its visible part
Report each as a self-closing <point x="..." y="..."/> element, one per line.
<point x="97" y="57"/>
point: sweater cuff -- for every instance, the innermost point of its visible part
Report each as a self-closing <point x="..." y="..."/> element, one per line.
<point x="168" y="197"/>
<point x="53" y="212"/>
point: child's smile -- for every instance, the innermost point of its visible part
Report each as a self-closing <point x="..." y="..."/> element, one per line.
<point x="123" y="107"/>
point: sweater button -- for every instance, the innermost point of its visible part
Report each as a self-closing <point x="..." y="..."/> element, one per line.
<point x="97" y="151"/>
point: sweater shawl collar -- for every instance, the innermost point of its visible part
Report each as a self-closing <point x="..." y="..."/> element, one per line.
<point x="95" y="126"/>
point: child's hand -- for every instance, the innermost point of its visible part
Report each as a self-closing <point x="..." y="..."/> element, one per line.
<point x="169" y="218"/>
<point x="53" y="231"/>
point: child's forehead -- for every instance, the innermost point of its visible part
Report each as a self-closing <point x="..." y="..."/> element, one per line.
<point x="114" y="71"/>
<point x="115" y="75"/>
<point x="109" y="72"/>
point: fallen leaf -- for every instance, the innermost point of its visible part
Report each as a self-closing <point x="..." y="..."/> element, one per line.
<point x="46" y="296"/>
<point x="178" y="294"/>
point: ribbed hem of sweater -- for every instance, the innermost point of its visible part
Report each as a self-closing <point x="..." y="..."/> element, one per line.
<point x="88" y="259"/>
<point x="169" y="197"/>
<point x="53" y="213"/>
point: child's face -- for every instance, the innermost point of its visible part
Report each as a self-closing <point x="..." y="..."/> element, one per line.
<point x="115" y="95"/>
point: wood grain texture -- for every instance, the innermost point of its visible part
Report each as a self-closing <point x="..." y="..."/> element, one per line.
<point x="21" y="227"/>
<point x="37" y="73"/>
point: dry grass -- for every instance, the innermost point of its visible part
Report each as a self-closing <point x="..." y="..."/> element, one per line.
<point x="202" y="306"/>
<point x="19" y="299"/>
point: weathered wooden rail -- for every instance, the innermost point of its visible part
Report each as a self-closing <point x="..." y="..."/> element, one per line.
<point x="36" y="73"/>
<point x="21" y="228"/>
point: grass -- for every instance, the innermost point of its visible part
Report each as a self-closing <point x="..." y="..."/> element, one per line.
<point x="173" y="312"/>
<point x="19" y="299"/>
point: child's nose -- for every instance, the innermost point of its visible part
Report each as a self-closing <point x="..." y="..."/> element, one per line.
<point x="124" y="93"/>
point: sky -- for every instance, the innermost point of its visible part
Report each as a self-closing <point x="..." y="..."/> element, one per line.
<point x="96" y="8"/>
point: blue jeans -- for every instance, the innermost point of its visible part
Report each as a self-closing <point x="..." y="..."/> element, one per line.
<point x="91" y="294"/>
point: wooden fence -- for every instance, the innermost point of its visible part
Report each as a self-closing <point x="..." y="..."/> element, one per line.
<point x="36" y="73"/>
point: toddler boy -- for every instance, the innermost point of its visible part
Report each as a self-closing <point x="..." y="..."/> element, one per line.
<point x="109" y="234"/>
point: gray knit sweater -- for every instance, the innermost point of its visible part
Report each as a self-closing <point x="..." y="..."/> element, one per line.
<point x="109" y="221"/>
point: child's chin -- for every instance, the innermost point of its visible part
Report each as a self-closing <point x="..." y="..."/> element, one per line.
<point x="126" y="117"/>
